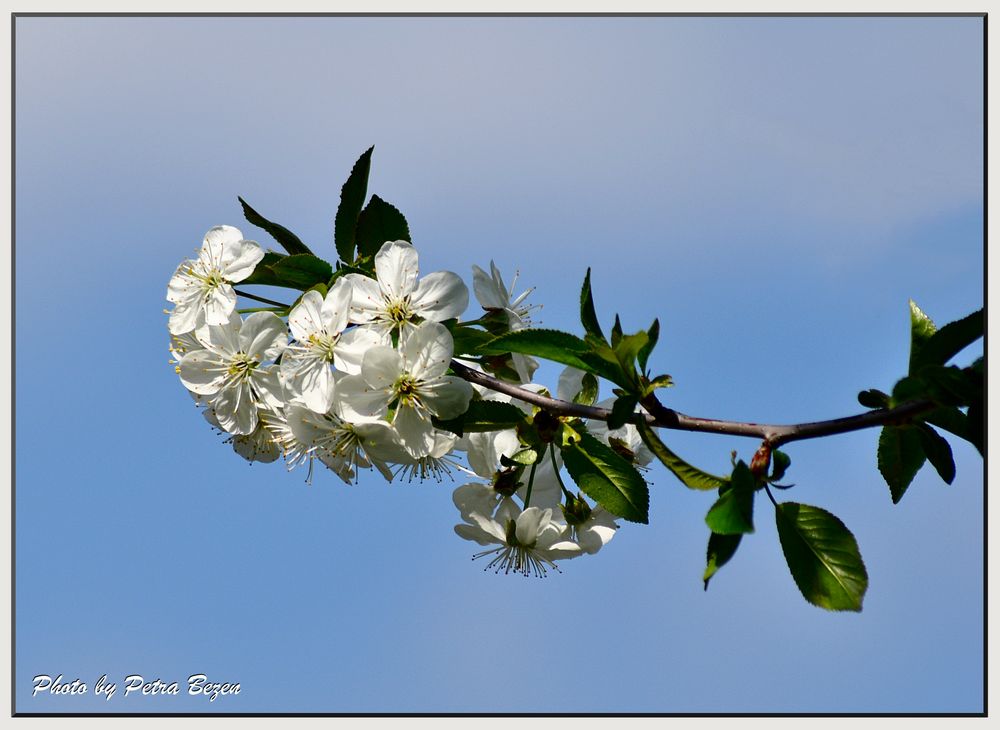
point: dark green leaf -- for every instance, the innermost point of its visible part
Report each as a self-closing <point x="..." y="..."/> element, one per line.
<point x="616" y="332"/>
<point x="908" y="388"/>
<point x="288" y="240"/>
<point x="622" y="410"/>
<point x="301" y="271"/>
<point x="974" y="427"/>
<point x="588" y="316"/>
<point x="900" y="456"/>
<point x="607" y="478"/>
<point x="556" y="346"/>
<point x="732" y="513"/>
<point x="873" y="398"/>
<point x="921" y="330"/>
<point x="720" y="549"/>
<point x="660" y="381"/>
<point x="483" y="415"/>
<point x="938" y="452"/>
<point x="467" y="340"/>
<point x="952" y="386"/>
<point x="352" y="199"/>
<point x="627" y="350"/>
<point x="690" y="476"/>
<point x="588" y="391"/>
<point x="379" y="222"/>
<point x="822" y="556"/>
<point x="948" y="341"/>
<point x="652" y="337"/>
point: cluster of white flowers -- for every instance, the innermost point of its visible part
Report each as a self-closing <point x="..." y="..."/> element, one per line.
<point x="354" y="379"/>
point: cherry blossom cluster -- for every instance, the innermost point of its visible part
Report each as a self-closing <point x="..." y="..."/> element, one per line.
<point x="355" y="378"/>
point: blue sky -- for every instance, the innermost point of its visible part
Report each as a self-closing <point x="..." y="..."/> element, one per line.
<point x="773" y="189"/>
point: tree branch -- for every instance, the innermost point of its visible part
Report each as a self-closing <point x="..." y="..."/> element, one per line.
<point x="663" y="417"/>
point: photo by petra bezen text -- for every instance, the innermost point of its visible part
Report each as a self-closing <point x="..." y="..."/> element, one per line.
<point x="133" y="685"/>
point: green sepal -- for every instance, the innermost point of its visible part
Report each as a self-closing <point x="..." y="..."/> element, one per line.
<point x="352" y="199"/>
<point x="690" y="476"/>
<point x="588" y="315"/>
<point x="974" y="426"/>
<point x="588" y="390"/>
<point x="874" y="398"/>
<point x="822" y="556"/>
<point x="377" y="223"/>
<point x="607" y="478"/>
<point x="780" y="462"/>
<point x="622" y="410"/>
<point x="721" y="549"/>
<point x="288" y="240"/>
<point x="900" y="456"/>
<point x="938" y="452"/>
<point x="732" y="513"/>
<point x="525" y="457"/>
<point x="482" y="415"/>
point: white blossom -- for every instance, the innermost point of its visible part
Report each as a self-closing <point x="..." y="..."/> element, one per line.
<point x="412" y="379"/>
<point x="395" y="298"/>
<point x="201" y="289"/>
<point x="529" y="541"/>
<point x="230" y="370"/>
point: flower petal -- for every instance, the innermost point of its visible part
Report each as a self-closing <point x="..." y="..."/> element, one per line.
<point x="306" y="317"/>
<point x="427" y="350"/>
<point x="366" y="297"/>
<point x="440" y="296"/>
<point x="239" y="259"/>
<point x="446" y="397"/>
<point x="355" y="401"/>
<point x="221" y="302"/>
<point x="396" y="268"/>
<point x="203" y="372"/>
<point x="416" y="433"/>
<point x="352" y="346"/>
<point x="263" y="335"/>
<point x="380" y="367"/>
<point x="337" y="307"/>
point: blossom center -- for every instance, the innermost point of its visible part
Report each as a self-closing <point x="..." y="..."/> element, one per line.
<point x="241" y="366"/>
<point x="398" y="311"/>
<point x="323" y="344"/>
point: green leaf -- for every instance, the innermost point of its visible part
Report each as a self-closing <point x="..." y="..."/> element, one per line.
<point x="525" y="457"/>
<point x="720" y="549"/>
<point x="588" y="316"/>
<point x="921" y="330"/>
<point x="822" y="556"/>
<point x="948" y="341"/>
<point x="301" y="271"/>
<point x="622" y="411"/>
<point x="732" y="513"/>
<point x="379" y="222"/>
<point x="627" y="350"/>
<point x="690" y="476"/>
<point x="483" y="415"/>
<point x="352" y="198"/>
<point x="900" y="456"/>
<point x="588" y="390"/>
<point x="616" y="332"/>
<point x="288" y="240"/>
<point x="652" y="337"/>
<point x="607" y="478"/>
<point x="938" y="452"/>
<point x="873" y="398"/>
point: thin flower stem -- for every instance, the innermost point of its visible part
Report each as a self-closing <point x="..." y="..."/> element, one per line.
<point x="531" y="480"/>
<point x="261" y="299"/>
<point x="555" y="468"/>
<point x="769" y="495"/>
<point x="663" y="417"/>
